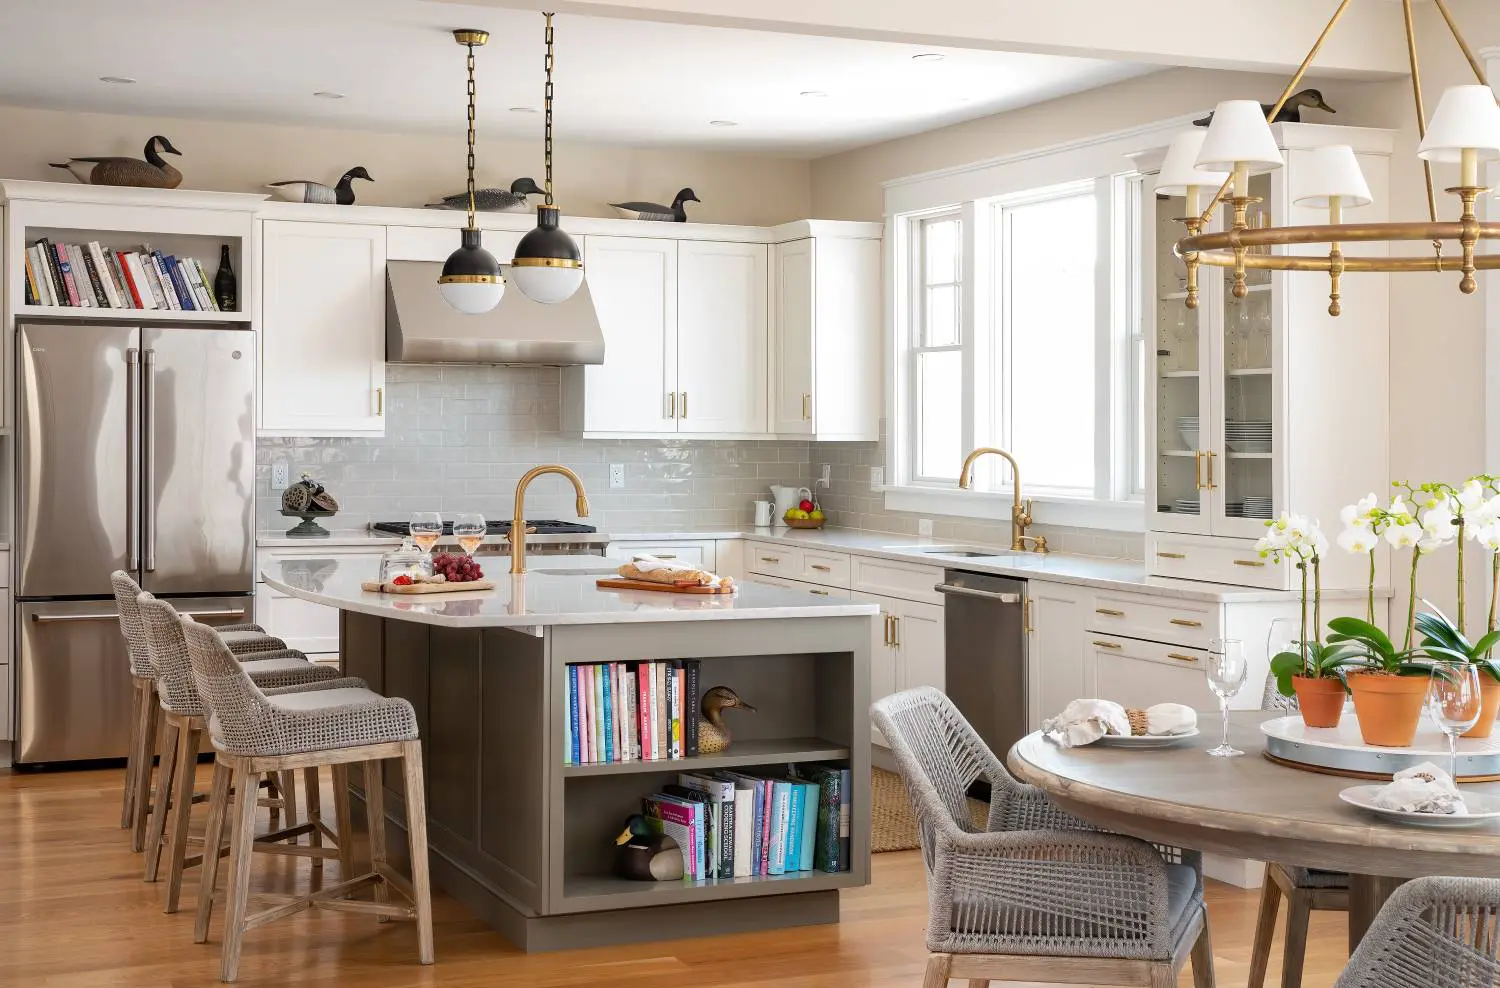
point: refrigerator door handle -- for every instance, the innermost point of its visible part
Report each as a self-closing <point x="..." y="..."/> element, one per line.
<point x="238" y="612"/>
<point x="132" y="458"/>
<point x="148" y="483"/>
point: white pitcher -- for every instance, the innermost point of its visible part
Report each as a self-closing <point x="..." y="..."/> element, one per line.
<point x="786" y="499"/>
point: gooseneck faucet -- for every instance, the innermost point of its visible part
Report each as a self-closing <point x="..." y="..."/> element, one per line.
<point x="1020" y="511"/>
<point x="518" y="523"/>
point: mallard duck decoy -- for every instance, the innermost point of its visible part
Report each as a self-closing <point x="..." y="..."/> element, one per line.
<point x="674" y="213"/>
<point x="153" y="173"/>
<point x="643" y="855"/>
<point x="713" y="736"/>
<point x="1291" y="111"/>
<point x="493" y="200"/>
<point x="301" y="190"/>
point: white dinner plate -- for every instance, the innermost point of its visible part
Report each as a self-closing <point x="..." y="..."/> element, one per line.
<point x="1145" y="740"/>
<point x="1482" y="809"/>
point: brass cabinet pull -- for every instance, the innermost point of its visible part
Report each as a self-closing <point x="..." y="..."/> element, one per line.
<point x="1108" y="644"/>
<point x="806" y="407"/>
<point x="1182" y="658"/>
<point x="1198" y="469"/>
<point x="671" y="404"/>
<point x="1171" y="555"/>
<point x="1186" y="623"/>
<point x="664" y="555"/>
<point x="895" y="631"/>
<point x="821" y="568"/>
<point x="1026" y="625"/>
<point x="1208" y="483"/>
<point x="770" y="559"/>
<point x="380" y="401"/>
<point x="684" y="406"/>
<point x="820" y="593"/>
<point x="886" y="619"/>
<point x="1109" y="612"/>
<point x="1249" y="562"/>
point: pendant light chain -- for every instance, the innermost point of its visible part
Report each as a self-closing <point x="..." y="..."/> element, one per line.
<point x="547" y="111"/>
<point x="470" y="186"/>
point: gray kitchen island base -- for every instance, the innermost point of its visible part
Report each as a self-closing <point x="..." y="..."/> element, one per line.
<point x="526" y="842"/>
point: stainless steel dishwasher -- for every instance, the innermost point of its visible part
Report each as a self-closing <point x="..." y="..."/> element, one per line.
<point x="985" y="660"/>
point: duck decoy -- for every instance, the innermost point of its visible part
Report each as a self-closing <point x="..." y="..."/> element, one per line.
<point x="1291" y="110"/>
<point x="713" y="735"/>
<point x="674" y="213"/>
<point x="153" y="173"/>
<point x="493" y="200"/>
<point x="301" y="190"/>
<point x="643" y="855"/>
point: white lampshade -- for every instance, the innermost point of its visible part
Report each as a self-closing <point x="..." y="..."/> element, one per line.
<point x="548" y="285"/>
<point x="1240" y="135"/>
<point x="1330" y="171"/>
<point x="1179" y="169"/>
<point x="472" y="298"/>
<point x="1466" y="117"/>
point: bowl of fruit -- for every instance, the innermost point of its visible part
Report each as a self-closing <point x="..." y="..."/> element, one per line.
<point x="804" y="514"/>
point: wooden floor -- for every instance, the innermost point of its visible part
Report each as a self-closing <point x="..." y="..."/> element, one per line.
<point x="74" y="912"/>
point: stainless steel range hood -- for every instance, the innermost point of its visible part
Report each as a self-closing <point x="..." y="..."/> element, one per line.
<point x="420" y="328"/>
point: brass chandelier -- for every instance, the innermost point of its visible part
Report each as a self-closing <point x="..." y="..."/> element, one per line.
<point x="1465" y="129"/>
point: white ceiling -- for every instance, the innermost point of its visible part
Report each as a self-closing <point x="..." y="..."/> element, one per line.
<point x="618" y="81"/>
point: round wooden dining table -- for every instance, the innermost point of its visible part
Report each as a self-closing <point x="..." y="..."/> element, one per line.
<point x="1251" y="807"/>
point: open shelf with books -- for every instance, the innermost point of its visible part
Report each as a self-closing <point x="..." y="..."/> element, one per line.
<point x="108" y="274"/>
<point x="739" y="755"/>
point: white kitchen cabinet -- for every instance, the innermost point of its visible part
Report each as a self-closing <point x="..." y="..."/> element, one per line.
<point x="1055" y="615"/>
<point x="322" y="329"/>
<point x="838" y="593"/>
<point x="696" y="552"/>
<point x="721" y="337"/>
<point x="826" y="338"/>
<point x="906" y="648"/>
<point x="303" y="625"/>
<point x="882" y="656"/>
<point x="1138" y="674"/>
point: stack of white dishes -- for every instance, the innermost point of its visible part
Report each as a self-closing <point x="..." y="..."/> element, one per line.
<point x="1248" y="437"/>
<point x="1185" y="506"/>
<point x="1250" y="507"/>
<point x="1187" y="427"/>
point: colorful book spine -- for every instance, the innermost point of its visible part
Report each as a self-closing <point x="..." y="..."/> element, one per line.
<point x="606" y="703"/>
<point x="180" y="284"/>
<point x="808" y="831"/>
<point x="54" y="271"/>
<point x="660" y="709"/>
<point x="781" y="807"/>
<point x="139" y="281"/>
<point x="570" y="719"/>
<point x="43" y="274"/>
<point x="80" y="275"/>
<point x="200" y="285"/>
<point x="744" y="835"/>
<point x="32" y="296"/>
<point x="674" y="819"/>
<point x="129" y="300"/>
<point x="105" y="275"/>
<point x="96" y="283"/>
<point x="677" y="704"/>
<point x="794" y="826"/>
<point x="690" y="707"/>
<point x="632" y="716"/>
<point x="70" y="286"/>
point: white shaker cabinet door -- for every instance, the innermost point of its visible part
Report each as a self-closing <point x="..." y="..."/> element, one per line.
<point x="322" y="336"/>
<point x="721" y="337"/>
<point x="882" y="653"/>
<point x="1055" y="656"/>
<point x="919" y="645"/>
<point x="633" y="281"/>
<point x="793" y="285"/>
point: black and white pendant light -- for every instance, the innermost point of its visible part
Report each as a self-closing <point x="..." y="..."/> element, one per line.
<point x="471" y="281"/>
<point x="548" y="266"/>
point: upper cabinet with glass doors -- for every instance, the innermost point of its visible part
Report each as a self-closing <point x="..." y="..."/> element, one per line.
<point x="1263" y="404"/>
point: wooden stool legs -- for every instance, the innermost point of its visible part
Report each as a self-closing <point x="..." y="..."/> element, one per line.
<point x="143" y="730"/>
<point x="166" y="774"/>
<point x="1301" y="901"/>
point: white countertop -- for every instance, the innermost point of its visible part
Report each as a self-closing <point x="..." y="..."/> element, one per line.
<point x="558" y="590"/>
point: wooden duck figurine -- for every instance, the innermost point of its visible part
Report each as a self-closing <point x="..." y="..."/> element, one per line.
<point x="674" y="213"/>
<point x="301" y="190"/>
<point x="713" y="736"/>
<point x="1291" y="111"/>
<point x="153" y="173"/>
<point x="512" y="200"/>
<point x="643" y="855"/>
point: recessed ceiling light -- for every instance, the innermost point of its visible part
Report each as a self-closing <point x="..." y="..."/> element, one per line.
<point x="722" y="123"/>
<point x="119" y="80"/>
<point x="929" y="56"/>
<point x="814" y="93"/>
<point x="328" y="94"/>
<point x="523" y="109"/>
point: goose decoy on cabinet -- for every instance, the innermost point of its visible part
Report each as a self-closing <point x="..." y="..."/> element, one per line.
<point x="1291" y="111"/>
<point x="643" y="855"/>
<point x="512" y="200"/>
<point x="342" y="194"/>
<point x="713" y="735"/>
<point x="674" y="213"/>
<point x="153" y="173"/>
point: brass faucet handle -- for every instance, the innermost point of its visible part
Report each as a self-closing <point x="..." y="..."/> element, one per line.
<point x="1022" y="513"/>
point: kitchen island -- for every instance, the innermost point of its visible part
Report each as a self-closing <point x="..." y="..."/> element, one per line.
<point x="525" y="840"/>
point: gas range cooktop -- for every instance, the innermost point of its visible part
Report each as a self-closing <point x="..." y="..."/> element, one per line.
<point x="541" y="527"/>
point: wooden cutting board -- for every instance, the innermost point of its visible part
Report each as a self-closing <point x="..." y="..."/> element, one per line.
<point x="693" y="588"/>
<point x="418" y="588"/>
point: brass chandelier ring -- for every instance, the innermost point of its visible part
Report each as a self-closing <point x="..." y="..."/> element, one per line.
<point x="1217" y="249"/>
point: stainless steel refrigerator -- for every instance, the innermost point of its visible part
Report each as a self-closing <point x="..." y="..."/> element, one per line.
<point x="135" y="451"/>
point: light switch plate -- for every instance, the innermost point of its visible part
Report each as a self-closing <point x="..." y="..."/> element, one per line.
<point x="924" y="527"/>
<point x="617" y="475"/>
<point x="825" y="475"/>
<point x="877" y="478"/>
<point x="280" y="474"/>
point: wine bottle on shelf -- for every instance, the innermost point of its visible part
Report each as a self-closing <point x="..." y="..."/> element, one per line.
<point x="226" y="287"/>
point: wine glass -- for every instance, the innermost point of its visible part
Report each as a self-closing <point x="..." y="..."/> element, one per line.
<point x="1284" y="636"/>
<point x="1226" y="674"/>
<point x="468" y="529"/>
<point x="1453" y="700"/>
<point x="426" y="528"/>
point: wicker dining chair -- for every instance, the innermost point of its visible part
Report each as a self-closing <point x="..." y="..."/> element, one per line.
<point x="1038" y="895"/>
<point x="1432" y="933"/>
<point x="1306" y="890"/>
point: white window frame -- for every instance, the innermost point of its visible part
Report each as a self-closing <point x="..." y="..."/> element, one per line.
<point x="916" y="318"/>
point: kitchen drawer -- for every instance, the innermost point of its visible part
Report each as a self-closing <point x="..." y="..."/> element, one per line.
<point x="831" y="569"/>
<point x="775" y="581"/>
<point x="1214" y="561"/>
<point x="312" y="628"/>
<point x="1140" y="674"/>
<point x="770" y="559"/>
<point x="1157" y="619"/>
<point x="699" y="553"/>
<point x="893" y="579"/>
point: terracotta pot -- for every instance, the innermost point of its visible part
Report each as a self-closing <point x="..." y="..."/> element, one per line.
<point x="1321" y="700"/>
<point x="1388" y="707"/>
<point x="1489" y="692"/>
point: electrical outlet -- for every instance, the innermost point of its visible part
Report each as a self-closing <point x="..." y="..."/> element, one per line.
<point x="617" y="475"/>
<point x="877" y="478"/>
<point x="280" y="476"/>
<point x="924" y="528"/>
<point x="825" y="476"/>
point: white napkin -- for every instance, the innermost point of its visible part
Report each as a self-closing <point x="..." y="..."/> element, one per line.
<point x="1168" y="719"/>
<point x="1423" y="788"/>
<point x="1086" y="721"/>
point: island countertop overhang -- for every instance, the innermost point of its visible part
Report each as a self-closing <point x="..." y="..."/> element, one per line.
<point x="565" y="595"/>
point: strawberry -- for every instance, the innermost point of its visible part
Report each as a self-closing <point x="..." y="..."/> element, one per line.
<point x="402" y="581"/>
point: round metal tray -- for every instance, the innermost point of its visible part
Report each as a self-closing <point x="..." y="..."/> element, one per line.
<point x="1341" y="751"/>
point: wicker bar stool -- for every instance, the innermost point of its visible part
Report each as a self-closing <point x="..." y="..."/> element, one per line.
<point x="243" y="640"/>
<point x="183" y="728"/>
<point x="1432" y="933"/>
<point x="255" y="733"/>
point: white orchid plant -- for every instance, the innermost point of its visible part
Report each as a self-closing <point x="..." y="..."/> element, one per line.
<point x="1298" y="539"/>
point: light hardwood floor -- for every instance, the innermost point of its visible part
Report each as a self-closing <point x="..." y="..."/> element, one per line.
<point x="74" y="912"/>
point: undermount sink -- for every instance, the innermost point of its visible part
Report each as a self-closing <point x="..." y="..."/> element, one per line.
<point x="962" y="552"/>
<point x="575" y="570"/>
